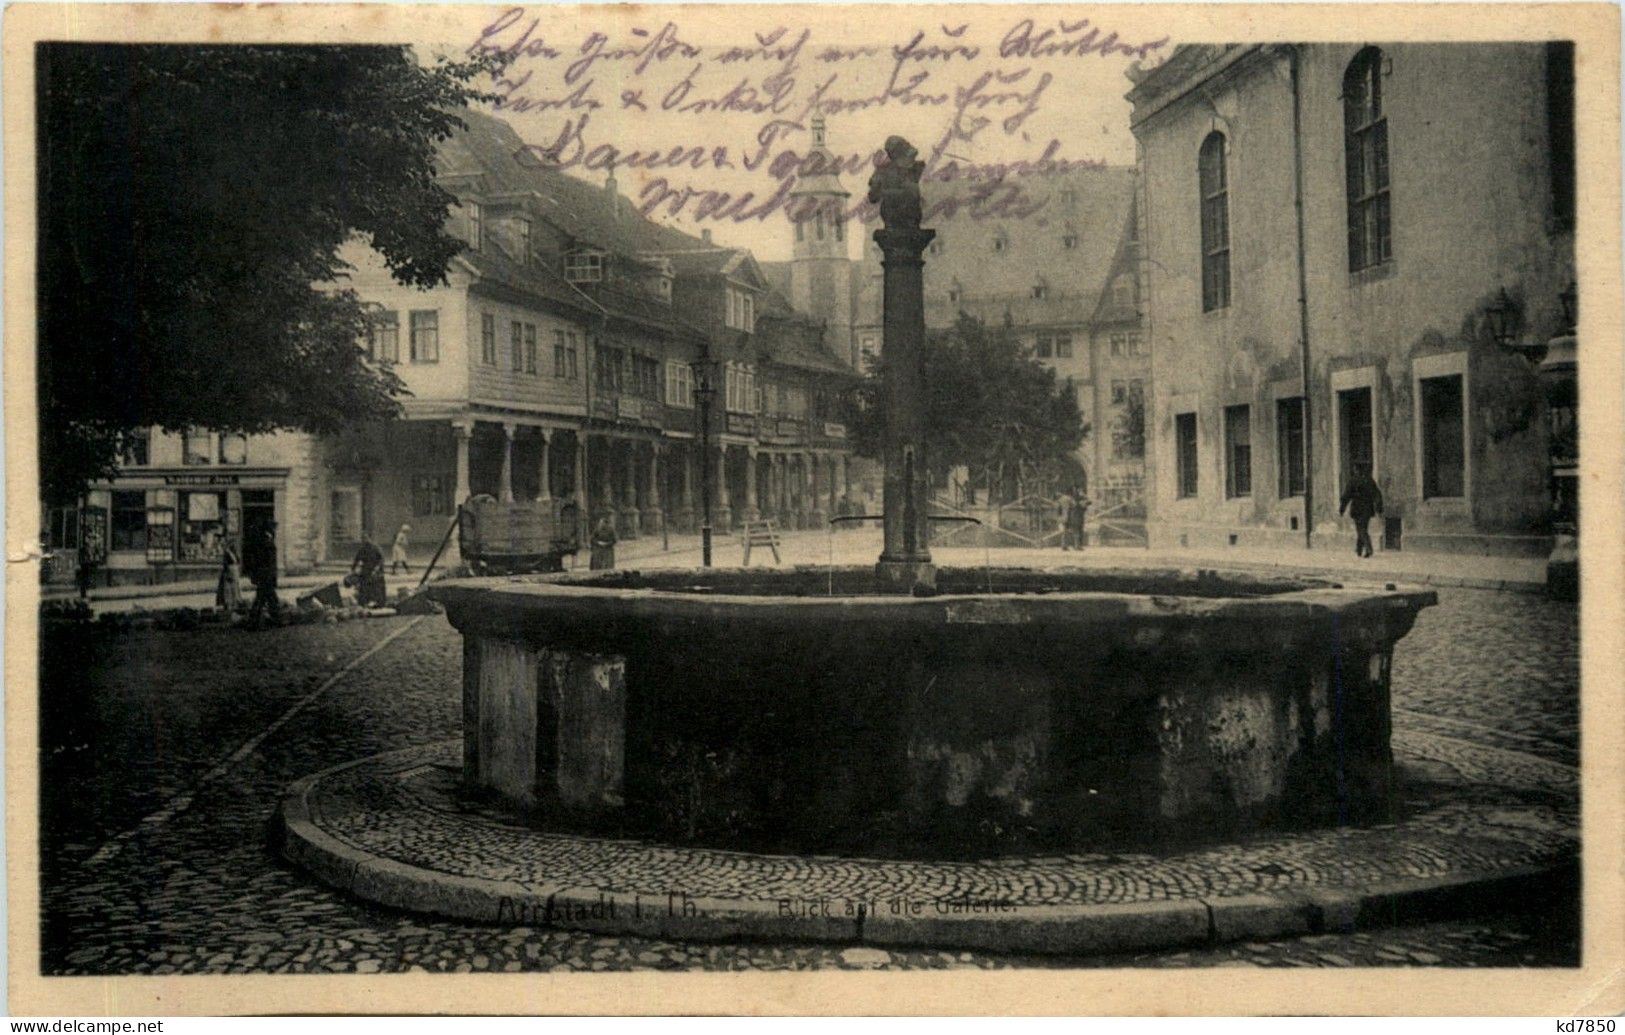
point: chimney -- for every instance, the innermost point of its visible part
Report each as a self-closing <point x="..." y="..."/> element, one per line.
<point x="705" y="235"/>
<point x="612" y="192"/>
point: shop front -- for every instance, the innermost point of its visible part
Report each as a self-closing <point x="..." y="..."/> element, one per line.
<point x="173" y="526"/>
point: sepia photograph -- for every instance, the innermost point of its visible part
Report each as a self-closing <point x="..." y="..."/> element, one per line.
<point x="991" y="493"/>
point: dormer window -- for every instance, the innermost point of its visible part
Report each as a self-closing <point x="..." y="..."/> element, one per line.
<point x="1040" y="290"/>
<point x="1069" y="241"/>
<point x="741" y="311"/>
<point x="521" y="234"/>
<point x="663" y="288"/>
<point x="1001" y="243"/>
<point x="955" y="293"/>
<point x="584" y="267"/>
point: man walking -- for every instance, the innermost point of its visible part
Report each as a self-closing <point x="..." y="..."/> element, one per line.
<point x="1362" y="499"/>
<point x="260" y="558"/>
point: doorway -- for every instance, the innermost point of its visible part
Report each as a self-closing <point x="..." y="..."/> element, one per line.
<point x="1356" y="444"/>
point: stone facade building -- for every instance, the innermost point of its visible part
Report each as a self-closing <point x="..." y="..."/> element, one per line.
<point x="1292" y="342"/>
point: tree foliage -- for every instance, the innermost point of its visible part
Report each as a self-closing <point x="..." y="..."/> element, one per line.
<point x="990" y="406"/>
<point x="192" y="203"/>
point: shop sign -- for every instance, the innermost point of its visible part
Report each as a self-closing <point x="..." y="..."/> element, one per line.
<point x="741" y="424"/>
<point x="629" y="408"/>
<point x="201" y="479"/>
<point x="832" y="430"/>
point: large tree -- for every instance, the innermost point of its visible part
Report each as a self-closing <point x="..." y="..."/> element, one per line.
<point x="192" y="203"/>
<point x="990" y="406"/>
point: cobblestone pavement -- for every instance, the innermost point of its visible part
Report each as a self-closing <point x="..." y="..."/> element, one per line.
<point x="404" y="807"/>
<point x="138" y="726"/>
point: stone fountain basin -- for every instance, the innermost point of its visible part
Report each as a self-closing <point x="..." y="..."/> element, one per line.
<point x="795" y="710"/>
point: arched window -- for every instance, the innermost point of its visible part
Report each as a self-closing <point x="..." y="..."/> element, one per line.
<point x="818" y="224"/>
<point x="1365" y="139"/>
<point x="1215" y="189"/>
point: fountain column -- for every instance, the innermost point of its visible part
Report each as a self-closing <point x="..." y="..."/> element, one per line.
<point x="905" y="560"/>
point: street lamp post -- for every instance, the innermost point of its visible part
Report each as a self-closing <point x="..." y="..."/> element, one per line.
<point x="705" y="393"/>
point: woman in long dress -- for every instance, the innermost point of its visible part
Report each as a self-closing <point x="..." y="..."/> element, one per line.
<point x="229" y="593"/>
<point x="603" y="545"/>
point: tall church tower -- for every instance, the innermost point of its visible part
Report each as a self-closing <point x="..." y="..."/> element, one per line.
<point x="821" y="270"/>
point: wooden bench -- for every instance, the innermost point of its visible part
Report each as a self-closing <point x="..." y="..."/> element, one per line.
<point x="760" y="533"/>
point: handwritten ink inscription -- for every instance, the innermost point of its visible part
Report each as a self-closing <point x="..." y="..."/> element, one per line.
<point x="711" y="128"/>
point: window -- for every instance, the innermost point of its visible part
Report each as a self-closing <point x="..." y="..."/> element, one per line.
<point x="840" y="227"/>
<point x="62" y="528"/>
<point x="584" y="267"/>
<point x="679" y="384"/>
<point x="197" y="448"/>
<point x="476" y="226"/>
<point x="1289" y="446"/>
<point x="1119" y="393"/>
<point x="1040" y="291"/>
<point x="572" y="366"/>
<point x="741" y="310"/>
<point x="1125" y="343"/>
<point x="531" y="365"/>
<point x="954" y="294"/>
<point x="647" y="372"/>
<point x="935" y="247"/>
<point x="560" y="365"/>
<point x="488" y="339"/>
<point x="1238" y="451"/>
<point x="1069" y="196"/>
<point x="1069" y="241"/>
<point x="516" y="346"/>
<point x="801" y="230"/>
<point x="1046" y="346"/>
<point x="1365" y="142"/>
<point x="233" y="449"/>
<point x="202" y="525"/>
<point x="1185" y="453"/>
<point x="384" y="337"/>
<point x="609" y="373"/>
<point x="425" y="335"/>
<point x="1215" y="224"/>
<point x="521" y="233"/>
<point x="1063" y="346"/>
<point x="1443" y="437"/>
<point x="135" y="448"/>
<point x="129" y="521"/>
<point x="1001" y="242"/>
<point x="818" y="224"/>
<point x="431" y="494"/>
